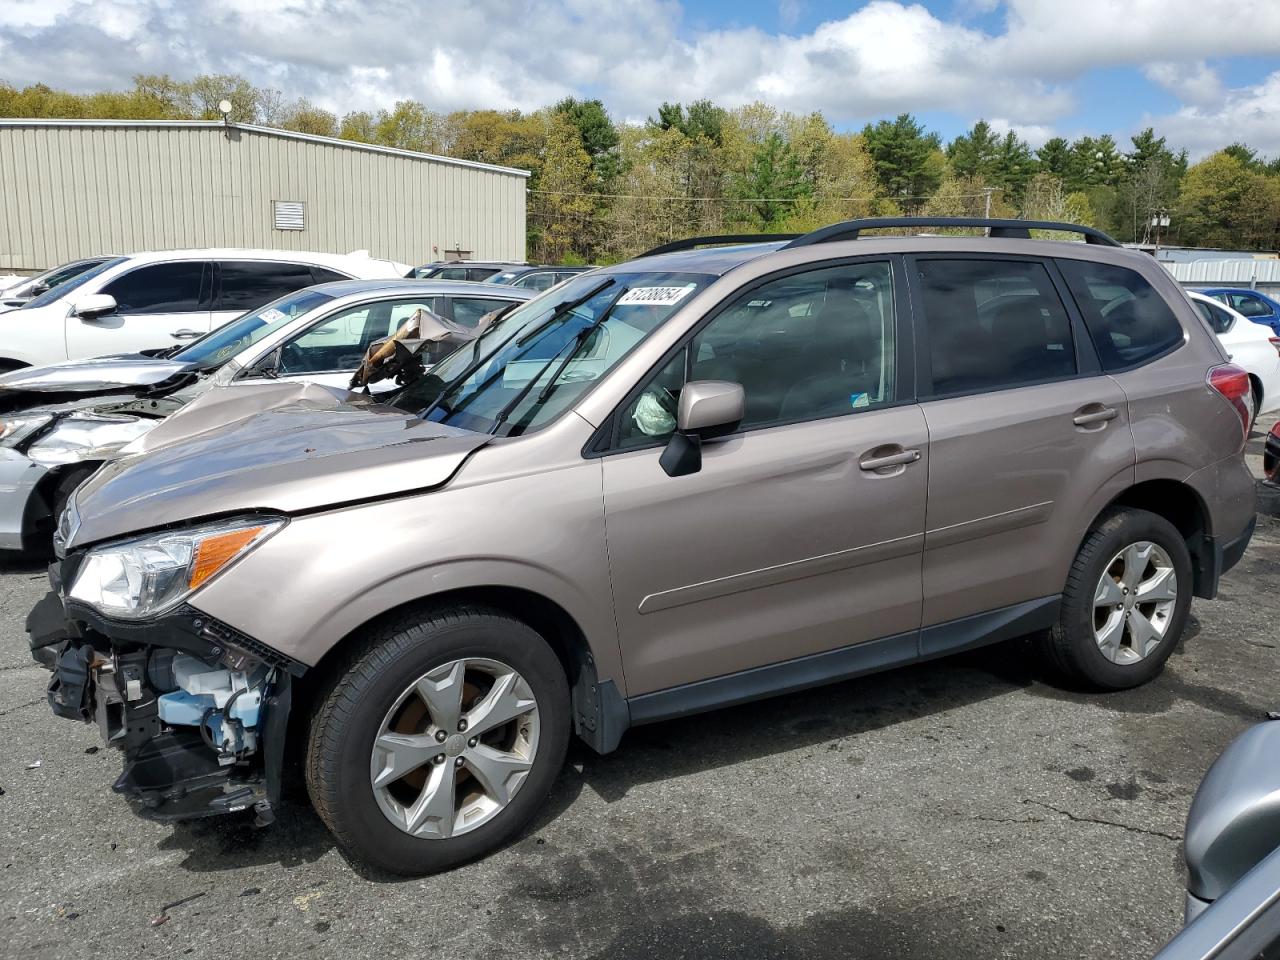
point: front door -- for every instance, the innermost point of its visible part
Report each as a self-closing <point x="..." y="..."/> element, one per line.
<point x="791" y="539"/>
<point x="158" y="305"/>
<point x="1028" y="439"/>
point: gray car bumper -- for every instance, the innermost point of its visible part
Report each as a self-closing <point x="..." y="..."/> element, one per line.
<point x="18" y="479"/>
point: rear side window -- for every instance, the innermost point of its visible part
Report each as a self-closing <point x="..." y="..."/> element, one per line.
<point x="1249" y="306"/>
<point x="1218" y="318"/>
<point x="993" y="324"/>
<point x="536" y="281"/>
<point x="1129" y="322"/>
<point x="480" y="273"/>
<point x="248" y="284"/>
<point x="468" y="310"/>
<point x="159" y="288"/>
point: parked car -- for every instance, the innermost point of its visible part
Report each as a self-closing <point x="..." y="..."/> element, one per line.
<point x="1249" y="345"/>
<point x="59" y="423"/>
<point x="461" y="269"/>
<point x="1271" y="456"/>
<point x="151" y="301"/>
<point x="14" y="295"/>
<point x="536" y="278"/>
<point x="1232" y="850"/>
<point x="1249" y="303"/>
<point x="673" y="484"/>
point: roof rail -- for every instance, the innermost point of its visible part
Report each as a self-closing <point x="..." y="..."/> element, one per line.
<point x="1013" y="229"/>
<point x="689" y="243"/>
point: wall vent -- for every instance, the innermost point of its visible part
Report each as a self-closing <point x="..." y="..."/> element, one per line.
<point x="288" y="214"/>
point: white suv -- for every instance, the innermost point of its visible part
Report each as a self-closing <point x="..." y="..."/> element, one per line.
<point x="151" y="301"/>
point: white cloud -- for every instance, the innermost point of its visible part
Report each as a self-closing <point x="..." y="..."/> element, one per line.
<point x="1193" y="83"/>
<point x="1249" y="115"/>
<point x="885" y="57"/>
<point x="1034" y="133"/>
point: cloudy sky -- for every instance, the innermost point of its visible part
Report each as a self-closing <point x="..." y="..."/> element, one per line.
<point x="1204" y="72"/>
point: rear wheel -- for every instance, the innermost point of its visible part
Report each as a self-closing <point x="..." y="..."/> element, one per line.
<point x="440" y="740"/>
<point x="1125" y="604"/>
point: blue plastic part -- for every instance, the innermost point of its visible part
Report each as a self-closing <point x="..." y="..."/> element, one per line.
<point x="180" y="708"/>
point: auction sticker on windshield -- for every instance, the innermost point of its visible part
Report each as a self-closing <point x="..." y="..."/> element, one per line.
<point x="657" y="296"/>
<point x="271" y="315"/>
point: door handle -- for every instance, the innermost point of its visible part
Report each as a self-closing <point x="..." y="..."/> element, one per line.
<point x="185" y="334"/>
<point x="1095" y="416"/>
<point x="899" y="459"/>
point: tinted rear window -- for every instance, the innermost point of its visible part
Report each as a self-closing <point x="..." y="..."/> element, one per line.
<point x="248" y="284"/>
<point x="993" y="324"/>
<point x="1129" y="322"/>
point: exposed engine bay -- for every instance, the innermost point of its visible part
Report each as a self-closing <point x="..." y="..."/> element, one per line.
<point x="200" y="720"/>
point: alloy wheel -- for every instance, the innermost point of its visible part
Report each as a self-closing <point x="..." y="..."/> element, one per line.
<point x="1134" y="602"/>
<point x="455" y="748"/>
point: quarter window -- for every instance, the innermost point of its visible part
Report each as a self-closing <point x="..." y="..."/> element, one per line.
<point x="1128" y="321"/>
<point x="807" y="346"/>
<point x="993" y="325"/>
<point x="248" y="284"/>
<point x="159" y="288"/>
<point x="1219" y="319"/>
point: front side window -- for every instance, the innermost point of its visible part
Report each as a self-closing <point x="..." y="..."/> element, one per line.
<point x="449" y="273"/>
<point x="530" y="366"/>
<point x="807" y="346"/>
<point x="1128" y="321"/>
<point x="218" y="346"/>
<point x="248" y="284"/>
<point x="159" y="288"/>
<point x="339" y="341"/>
<point x="993" y="324"/>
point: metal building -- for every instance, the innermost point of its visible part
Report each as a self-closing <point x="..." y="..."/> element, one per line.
<point x="75" y="188"/>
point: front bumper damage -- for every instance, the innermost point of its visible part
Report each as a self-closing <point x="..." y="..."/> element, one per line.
<point x="199" y="710"/>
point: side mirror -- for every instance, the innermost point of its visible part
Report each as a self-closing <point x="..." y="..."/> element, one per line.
<point x="39" y="288"/>
<point x="95" y="305"/>
<point x="708" y="409"/>
<point x="1234" y="821"/>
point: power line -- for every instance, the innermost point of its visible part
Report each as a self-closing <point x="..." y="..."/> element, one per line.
<point x="638" y="196"/>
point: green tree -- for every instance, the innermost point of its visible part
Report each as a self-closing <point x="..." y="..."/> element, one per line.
<point x="908" y="161"/>
<point x="596" y="133"/>
<point x="976" y="153"/>
<point x="772" y="182"/>
<point x="1054" y="157"/>
<point x="1224" y="203"/>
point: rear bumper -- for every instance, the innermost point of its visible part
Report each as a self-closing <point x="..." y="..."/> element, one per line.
<point x="19" y="478"/>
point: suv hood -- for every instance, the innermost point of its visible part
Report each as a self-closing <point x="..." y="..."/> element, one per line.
<point x="291" y="448"/>
<point x="92" y="376"/>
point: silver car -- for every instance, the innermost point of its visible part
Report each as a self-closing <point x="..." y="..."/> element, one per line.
<point x="58" y="423"/>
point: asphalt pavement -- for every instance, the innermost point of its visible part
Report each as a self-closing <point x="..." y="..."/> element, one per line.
<point x="963" y="808"/>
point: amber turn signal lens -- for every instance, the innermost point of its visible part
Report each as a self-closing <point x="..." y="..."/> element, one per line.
<point x="214" y="553"/>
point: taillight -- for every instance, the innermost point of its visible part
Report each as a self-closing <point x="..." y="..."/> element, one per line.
<point x="1233" y="384"/>
<point x="1275" y="342"/>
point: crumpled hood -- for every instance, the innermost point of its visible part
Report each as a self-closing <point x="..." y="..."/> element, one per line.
<point x="93" y="376"/>
<point x="284" y="447"/>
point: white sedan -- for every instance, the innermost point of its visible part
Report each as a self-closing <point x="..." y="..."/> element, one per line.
<point x="1250" y="346"/>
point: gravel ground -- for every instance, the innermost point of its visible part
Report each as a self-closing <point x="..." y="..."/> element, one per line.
<point x="962" y="808"/>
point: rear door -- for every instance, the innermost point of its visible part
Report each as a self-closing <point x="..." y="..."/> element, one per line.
<point x="244" y="285"/>
<point x="1027" y="437"/>
<point x="796" y="537"/>
<point x="158" y="305"/>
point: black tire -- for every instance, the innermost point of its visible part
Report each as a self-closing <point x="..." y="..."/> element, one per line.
<point x="357" y="697"/>
<point x="1070" y="647"/>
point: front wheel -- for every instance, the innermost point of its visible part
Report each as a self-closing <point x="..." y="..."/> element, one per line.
<point x="1125" y="604"/>
<point x="439" y="740"/>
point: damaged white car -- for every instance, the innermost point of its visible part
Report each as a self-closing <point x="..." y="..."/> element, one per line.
<point x="59" y="423"/>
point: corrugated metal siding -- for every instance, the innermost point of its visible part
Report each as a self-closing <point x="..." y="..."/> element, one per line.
<point x="1228" y="273"/>
<point x="78" y="190"/>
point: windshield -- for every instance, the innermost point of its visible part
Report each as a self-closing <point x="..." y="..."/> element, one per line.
<point x="62" y="289"/>
<point x="219" y="346"/>
<point x="534" y="363"/>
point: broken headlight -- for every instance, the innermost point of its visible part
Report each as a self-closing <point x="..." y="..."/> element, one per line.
<point x="15" y="429"/>
<point x="147" y="576"/>
<point x="87" y="436"/>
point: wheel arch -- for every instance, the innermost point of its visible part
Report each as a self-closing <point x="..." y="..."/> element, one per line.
<point x="1182" y="505"/>
<point x="599" y="709"/>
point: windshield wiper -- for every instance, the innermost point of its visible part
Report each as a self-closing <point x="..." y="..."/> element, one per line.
<point x="560" y="310"/>
<point x="573" y="345"/>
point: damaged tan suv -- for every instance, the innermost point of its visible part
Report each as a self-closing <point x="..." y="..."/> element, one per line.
<point x="689" y="480"/>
